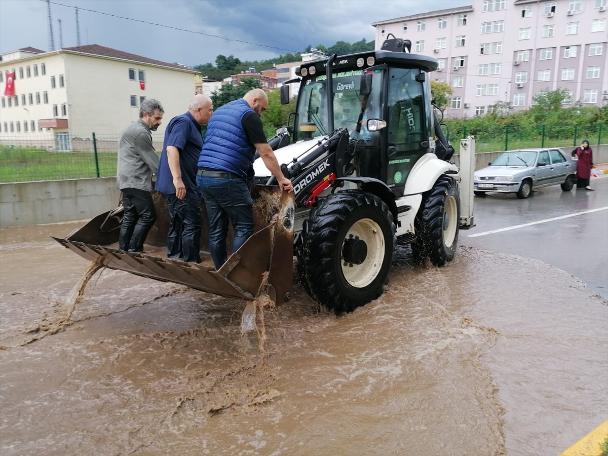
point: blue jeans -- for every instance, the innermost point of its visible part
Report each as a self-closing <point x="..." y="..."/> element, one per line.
<point x="184" y="237"/>
<point x="226" y="199"/>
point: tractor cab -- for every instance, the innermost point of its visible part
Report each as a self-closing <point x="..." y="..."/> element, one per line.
<point x="381" y="97"/>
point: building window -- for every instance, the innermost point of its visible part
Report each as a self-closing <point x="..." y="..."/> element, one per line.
<point x="440" y="64"/>
<point x="441" y="43"/>
<point x="20" y="72"/>
<point x="460" y="41"/>
<point x="30" y="98"/>
<point x="568" y="74"/>
<point x="3" y="102"/>
<point x="491" y="48"/>
<point x="598" y="25"/>
<point x="458" y="81"/>
<point x="1" y="76"/>
<point x="134" y="101"/>
<point x="42" y="69"/>
<point x="523" y="56"/>
<point x="567" y="97"/>
<point x="575" y="6"/>
<point x="12" y="127"/>
<point x="141" y="99"/>
<point x="549" y="9"/>
<point x="593" y="72"/>
<point x="493" y="27"/>
<point x="590" y="96"/>
<point x="23" y="99"/>
<point x="600" y="3"/>
<point x="546" y="54"/>
<point x="524" y="33"/>
<point x="28" y="71"/>
<point x="462" y="19"/>
<point x="572" y="28"/>
<point x="543" y="75"/>
<point x="596" y="49"/>
<point x="486" y="90"/>
<point x="458" y="62"/>
<point x="18" y="125"/>
<point x="16" y="100"/>
<point x="548" y="31"/>
<point x="519" y="99"/>
<point x="419" y="46"/>
<point x="55" y="111"/>
<point x="37" y="97"/>
<point x="45" y="97"/>
<point x="442" y="23"/>
<point x="5" y="127"/>
<point x="61" y="81"/>
<point x="455" y="102"/>
<point x="569" y="52"/>
<point x="10" y="101"/>
<point x="521" y="77"/>
<point x="64" y="109"/>
<point x="25" y="126"/>
<point x="35" y="69"/>
<point x="526" y="12"/>
<point x="53" y="84"/>
<point x="132" y="74"/>
<point x="493" y="5"/>
<point x="420" y="26"/>
<point x="32" y="125"/>
<point x="142" y="76"/>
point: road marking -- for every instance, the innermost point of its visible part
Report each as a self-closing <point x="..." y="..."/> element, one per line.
<point x="591" y="444"/>
<point x="553" y="219"/>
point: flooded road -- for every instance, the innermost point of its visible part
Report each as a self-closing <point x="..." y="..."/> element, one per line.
<point x="492" y="355"/>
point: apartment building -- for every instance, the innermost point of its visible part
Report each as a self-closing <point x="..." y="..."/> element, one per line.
<point x="64" y="95"/>
<point x="506" y="52"/>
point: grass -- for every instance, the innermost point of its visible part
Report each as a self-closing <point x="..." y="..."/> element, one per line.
<point x="604" y="448"/>
<point x="25" y="164"/>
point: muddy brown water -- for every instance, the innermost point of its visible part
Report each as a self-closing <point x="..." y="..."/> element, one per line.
<point x="491" y="355"/>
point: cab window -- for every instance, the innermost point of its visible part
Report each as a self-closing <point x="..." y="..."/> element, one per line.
<point x="556" y="156"/>
<point x="406" y="124"/>
<point x="543" y="158"/>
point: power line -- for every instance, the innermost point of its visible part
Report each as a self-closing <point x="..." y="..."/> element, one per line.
<point x="171" y="27"/>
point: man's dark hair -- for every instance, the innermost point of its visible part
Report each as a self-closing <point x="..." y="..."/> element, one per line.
<point x="148" y="106"/>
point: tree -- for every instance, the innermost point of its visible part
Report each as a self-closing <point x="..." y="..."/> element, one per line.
<point x="276" y="115"/>
<point x="227" y="63"/>
<point x="547" y="103"/>
<point x="441" y="92"/>
<point x="231" y="92"/>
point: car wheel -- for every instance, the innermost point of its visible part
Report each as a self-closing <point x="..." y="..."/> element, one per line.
<point x="481" y="194"/>
<point x="525" y="190"/>
<point x="568" y="183"/>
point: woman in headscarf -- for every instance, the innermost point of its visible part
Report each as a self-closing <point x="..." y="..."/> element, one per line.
<point x="584" y="163"/>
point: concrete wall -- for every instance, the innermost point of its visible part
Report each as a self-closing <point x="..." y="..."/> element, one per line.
<point x="31" y="203"/>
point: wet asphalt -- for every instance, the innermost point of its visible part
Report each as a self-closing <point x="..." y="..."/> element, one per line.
<point x="577" y="244"/>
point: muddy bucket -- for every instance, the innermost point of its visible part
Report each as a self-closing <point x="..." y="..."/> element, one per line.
<point x="262" y="263"/>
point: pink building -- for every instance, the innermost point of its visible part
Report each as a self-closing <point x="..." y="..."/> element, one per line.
<point x="505" y="51"/>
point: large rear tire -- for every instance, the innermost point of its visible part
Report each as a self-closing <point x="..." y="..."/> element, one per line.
<point x="568" y="184"/>
<point x="525" y="189"/>
<point x="438" y="223"/>
<point x="347" y="250"/>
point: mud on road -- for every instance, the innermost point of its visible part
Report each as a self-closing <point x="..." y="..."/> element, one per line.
<point x="491" y="355"/>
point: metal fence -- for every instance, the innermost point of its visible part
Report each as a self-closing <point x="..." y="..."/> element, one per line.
<point x="504" y="137"/>
<point x="53" y="157"/>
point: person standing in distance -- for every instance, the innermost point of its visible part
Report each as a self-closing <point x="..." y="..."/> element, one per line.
<point x="177" y="179"/>
<point x="235" y="132"/>
<point x="584" y="163"/>
<point x="137" y="161"/>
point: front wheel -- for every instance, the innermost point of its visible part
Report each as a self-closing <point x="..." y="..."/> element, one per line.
<point x="525" y="189"/>
<point x="347" y="250"/>
<point x="438" y="223"/>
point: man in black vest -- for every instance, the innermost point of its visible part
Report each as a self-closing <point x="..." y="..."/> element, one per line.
<point x="234" y="133"/>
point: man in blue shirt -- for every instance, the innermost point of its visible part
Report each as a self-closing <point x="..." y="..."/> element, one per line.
<point x="177" y="179"/>
<point x="235" y="132"/>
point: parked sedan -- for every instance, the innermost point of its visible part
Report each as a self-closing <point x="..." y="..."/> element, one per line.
<point x="522" y="171"/>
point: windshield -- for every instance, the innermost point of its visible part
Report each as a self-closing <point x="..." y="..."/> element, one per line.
<point x="516" y="158"/>
<point x="348" y="103"/>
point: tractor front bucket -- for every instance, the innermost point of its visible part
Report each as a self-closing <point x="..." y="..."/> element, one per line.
<point x="262" y="263"/>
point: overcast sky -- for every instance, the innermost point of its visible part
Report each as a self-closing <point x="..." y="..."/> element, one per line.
<point x="254" y="29"/>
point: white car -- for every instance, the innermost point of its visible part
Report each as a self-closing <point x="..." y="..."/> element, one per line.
<point x="521" y="171"/>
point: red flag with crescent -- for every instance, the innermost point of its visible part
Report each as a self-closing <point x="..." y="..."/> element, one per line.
<point x="142" y="85"/>
<point x="9" y="88"/>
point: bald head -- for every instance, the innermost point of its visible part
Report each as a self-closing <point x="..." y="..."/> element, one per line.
<point x="257" y="99"/>
<point x="201" y="108"/>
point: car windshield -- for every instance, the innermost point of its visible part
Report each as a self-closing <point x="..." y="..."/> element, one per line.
<point x="516" y="158"/>
<point x="312" y="104"/>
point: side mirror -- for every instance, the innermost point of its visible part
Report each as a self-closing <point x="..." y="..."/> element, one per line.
<point x="365" y="86"/>
<point x="489" y="163"/>
<point x="541" y="164"/>
<point x="375" y="124"/>
<point x="284" y="94"/>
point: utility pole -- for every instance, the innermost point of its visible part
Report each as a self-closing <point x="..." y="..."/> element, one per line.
<point x="51" y="38"/>
<point x="60" y="34"/>
<point x="77" y="27"/>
